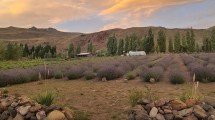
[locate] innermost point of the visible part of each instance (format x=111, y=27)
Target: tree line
x=178, y=44
x=14, y=51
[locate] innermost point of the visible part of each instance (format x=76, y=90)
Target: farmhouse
x=136, y=53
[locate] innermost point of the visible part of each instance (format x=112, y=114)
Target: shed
x=136, y=53
x=84, y=55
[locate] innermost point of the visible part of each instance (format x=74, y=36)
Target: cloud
x=131, y=13
x=43, y=13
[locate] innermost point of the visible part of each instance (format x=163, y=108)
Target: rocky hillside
x=34, y=36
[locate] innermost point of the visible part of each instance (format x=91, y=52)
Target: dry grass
x=102, y=100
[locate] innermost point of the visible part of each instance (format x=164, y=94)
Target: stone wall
x=164, y=109
x=19, y=107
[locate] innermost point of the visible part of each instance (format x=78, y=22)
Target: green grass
x=45, y=98
x=30, y=63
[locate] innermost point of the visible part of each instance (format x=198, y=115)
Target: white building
x=136, y=53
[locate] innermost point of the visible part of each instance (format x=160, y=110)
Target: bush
x=45, y=98
x=110, y=72
x=135, y=96
x=89, y=75
x=155, y=72
x=176, y=78
x=75, y=73
x=58, y=75
x=130, y=76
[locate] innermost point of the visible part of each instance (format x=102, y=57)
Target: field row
x=152, y=68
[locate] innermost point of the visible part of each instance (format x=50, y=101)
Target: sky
x=97, y=15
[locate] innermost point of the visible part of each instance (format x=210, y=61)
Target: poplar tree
x=161, y=41
x=170, y=45
x=149, y=43
x=71, y=52
x=120, y=47
x=177, y=42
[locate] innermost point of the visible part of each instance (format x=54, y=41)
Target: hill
x=35, y=36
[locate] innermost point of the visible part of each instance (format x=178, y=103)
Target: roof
x=83, y=54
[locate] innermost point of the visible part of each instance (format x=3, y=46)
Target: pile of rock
x=164, y=109
x=19, y=107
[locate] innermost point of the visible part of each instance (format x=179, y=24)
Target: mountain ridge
x=35, y=36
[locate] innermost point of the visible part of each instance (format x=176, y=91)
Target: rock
x=176, y=114
x=169, y=116
x=210, y=101
x=24, y=100
x=35, y=108
x=211, y=111
x=143, y=101
x=167, y=111
x=68, y=113
x=185, y=112
x=206, y=107
x=190, y=117
x=138, y=113
x=3, y=105
x=152, y=80
x=160, y=111
x=14, y=104
x=19, y=117
x=153, y=112
x=104, y=79
x=178, y=105
x=161, y=102
x=199, y=112
x=212, y=117
x=149, y=106
x=29, y=115
x=5, y=115
x=23, y=110
x=55, y=115
x=12, y=112
x=51, y=108
x=41, y=115
x=160, y=117
x=190, y=102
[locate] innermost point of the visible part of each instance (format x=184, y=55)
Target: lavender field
x=152, y=68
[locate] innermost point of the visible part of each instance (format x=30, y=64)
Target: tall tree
x=2, y=51
x=71, y=51
x=192, y=41
x=161, y=41
x=90, y=47
x=177, y=42
x=78, y=49
x=170, y=45
x=149, y=43
x=120, y=47
x=26, y=51
x=126, y=44
x=112, y=45
x=213, y=39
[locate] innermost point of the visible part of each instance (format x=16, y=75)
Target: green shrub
x=45, y=98
x=89, y=75
x=130, y=76
x=58, y=75
x=75, y=73
x=134, y=96
x=176, y=78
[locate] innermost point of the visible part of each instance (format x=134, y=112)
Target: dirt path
x=184, y=70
